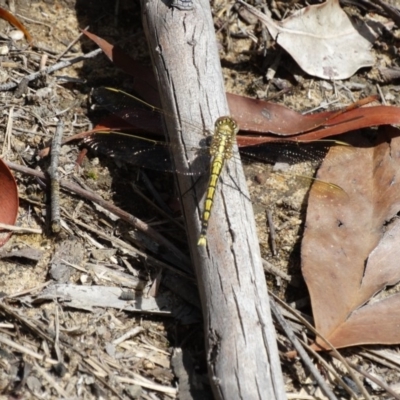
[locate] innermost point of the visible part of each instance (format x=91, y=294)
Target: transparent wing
x=155, y=155
x=147, y=153
x=286, y=152
x=142, y=151
x=135, y=111
x=127, y=108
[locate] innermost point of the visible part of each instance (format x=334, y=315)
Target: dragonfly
x=208, y=156
x=221, y=149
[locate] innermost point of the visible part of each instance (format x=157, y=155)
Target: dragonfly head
x=226, y=124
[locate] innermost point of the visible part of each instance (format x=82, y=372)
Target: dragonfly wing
x=292, y=154
x=128, y=109
x=145, y=153
x=136, y=111
x=286, y=152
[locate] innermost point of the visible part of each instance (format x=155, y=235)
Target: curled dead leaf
x=8, y=200
x=322, y=39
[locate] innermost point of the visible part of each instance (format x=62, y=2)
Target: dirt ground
x=101, y=342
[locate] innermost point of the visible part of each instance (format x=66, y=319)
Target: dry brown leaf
x=350, y=250
x=322, y=39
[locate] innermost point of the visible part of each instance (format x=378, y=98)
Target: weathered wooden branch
x=243, y=359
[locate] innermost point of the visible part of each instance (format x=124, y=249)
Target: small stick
x=131, y=333
x=7, y=138
x=271, y=269
x=382, y=96
x=123, y=215
x=20, y=229
x=55, y=179
x=334, y=352
x=43, y=62
x=29, y=290
x=10, y=344
x=150, y=187
x=52, y=68
x=53, y=383
x=71, y=44
x=300, y=350
x=161, y=210
x=374, y=379
x=272, y=232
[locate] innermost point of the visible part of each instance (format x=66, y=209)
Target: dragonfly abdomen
x=221, y=149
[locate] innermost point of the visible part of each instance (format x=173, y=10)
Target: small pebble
x=147, y=364
x=390, y=97
x=16, y=35
x=34, y=384
x=18, y=145
x=3, y=75
x=260, y=178
x=134, y=391
x=4, y=50
x=281, y=167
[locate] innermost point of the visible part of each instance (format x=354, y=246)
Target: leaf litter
x=91, y=335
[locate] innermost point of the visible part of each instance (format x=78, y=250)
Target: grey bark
x=242, y=359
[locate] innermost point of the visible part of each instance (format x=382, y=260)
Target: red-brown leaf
x=8, y=201
x=143, y=83
x=6, y=15
x=266, y=119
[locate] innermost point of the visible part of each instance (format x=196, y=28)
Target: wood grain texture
x=240, y=337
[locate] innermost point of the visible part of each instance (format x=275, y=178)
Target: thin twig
x=381, y=95
x=272, y=232
x=146, y=383
x=302, y=353
x=19, y=229
x=71, y=44
x=53, y=68
x=329, y=368
x=123, y=215
x=150, y=187
x=55, y=178
x=9, y=343
x=156, y=206
x=328, y=343
x=30, y=290
x=131, y=333
x=51, y=381
x=381, y=357
x=271, y=269
x=374, y=379
x=49, y=335
x=56, y=347
x=43, y=62
x=34, y=21
x=120, y=244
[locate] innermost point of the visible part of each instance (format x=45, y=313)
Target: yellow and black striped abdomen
x=221, y=149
